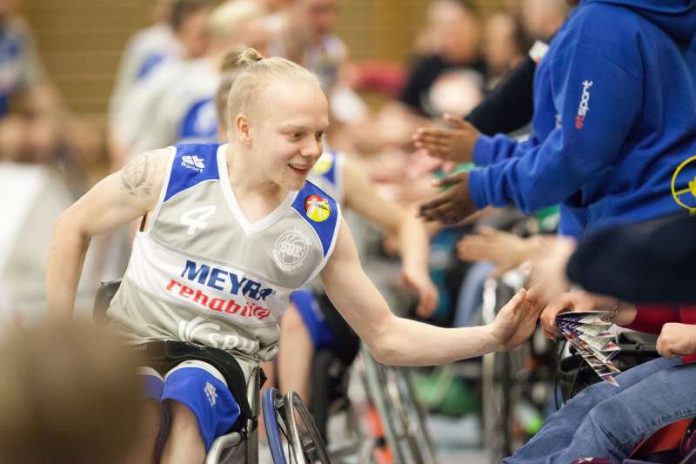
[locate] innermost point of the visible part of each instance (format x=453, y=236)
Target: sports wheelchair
x=396, y=423
x=284, y=416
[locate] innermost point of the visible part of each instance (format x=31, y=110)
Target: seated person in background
x=136, y=105
x=34, y=123
x=650, y=261
x=150, y=47
x=608, y=421
x=452, y=54
x=504, y=46
x=69, y=394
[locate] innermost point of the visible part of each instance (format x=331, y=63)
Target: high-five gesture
x=453, y=143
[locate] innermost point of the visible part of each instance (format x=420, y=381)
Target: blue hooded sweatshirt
x=614, y=116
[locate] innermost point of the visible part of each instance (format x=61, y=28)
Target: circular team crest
x=684, y=185
x=318, y=209
x=290, y=250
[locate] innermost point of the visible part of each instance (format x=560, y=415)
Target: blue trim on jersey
x=192, y=164
x=12, y=54
x=330, y=175
x=325, y=229
x=200, y=121
x=149, y=64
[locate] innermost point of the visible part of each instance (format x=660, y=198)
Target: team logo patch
x=290, y=250
x=318, y=209
x=193, y=162
x=683, y=185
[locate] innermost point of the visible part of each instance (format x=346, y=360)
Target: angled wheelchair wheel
x=414, y=416
x=404, y=424
x=292, y=436
x=307, y=444
x=271, y=400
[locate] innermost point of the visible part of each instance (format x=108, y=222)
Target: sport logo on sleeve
x=317, y=208
x=584, y=106
x=193, y=162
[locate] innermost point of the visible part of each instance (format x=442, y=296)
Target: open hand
x=515, y=322
x=507, y=251
x=455, y=143
x=454, y=204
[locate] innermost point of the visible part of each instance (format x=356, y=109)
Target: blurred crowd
x=563, y=222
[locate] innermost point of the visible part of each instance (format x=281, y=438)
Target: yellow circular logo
x=323, y=165
x=317, y=208
x=683, y=185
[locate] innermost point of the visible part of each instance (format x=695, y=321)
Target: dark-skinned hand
x=452, y=143
x=453, y=205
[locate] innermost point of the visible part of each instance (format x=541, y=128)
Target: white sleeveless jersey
x=202, y=274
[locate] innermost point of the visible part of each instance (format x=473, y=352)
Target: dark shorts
x=327, y=329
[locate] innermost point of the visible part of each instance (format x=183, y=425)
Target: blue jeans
x=608, y=421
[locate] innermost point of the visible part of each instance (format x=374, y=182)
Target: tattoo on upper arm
x=135, y=177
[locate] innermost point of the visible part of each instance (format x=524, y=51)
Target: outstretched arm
x=363, y=198
x=397, y=341
x=117, y=199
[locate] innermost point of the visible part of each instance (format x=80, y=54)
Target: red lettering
x=261, y=313
x=186, y=291
x=216, y=304
x=200, y=298
x=232, y=307
x=249, y=309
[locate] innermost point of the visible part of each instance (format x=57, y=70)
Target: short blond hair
x=69, y=394
x=252, y=73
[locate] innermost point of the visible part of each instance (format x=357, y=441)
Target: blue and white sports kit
x=201, y=273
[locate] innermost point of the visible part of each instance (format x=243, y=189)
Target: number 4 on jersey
x=196, y=218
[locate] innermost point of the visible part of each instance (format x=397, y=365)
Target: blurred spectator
x=452, y=61
x=183, y=37
x=145, y=50
x=34, y=124
x=505, y=250
x=307, y=37
x=69, y=394
x=274, y=6
x=176, y=103
x=648, y=261
x=629, y=155
x=504, y=45
x=542, y=18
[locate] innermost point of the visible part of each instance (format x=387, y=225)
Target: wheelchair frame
x=226, y=448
